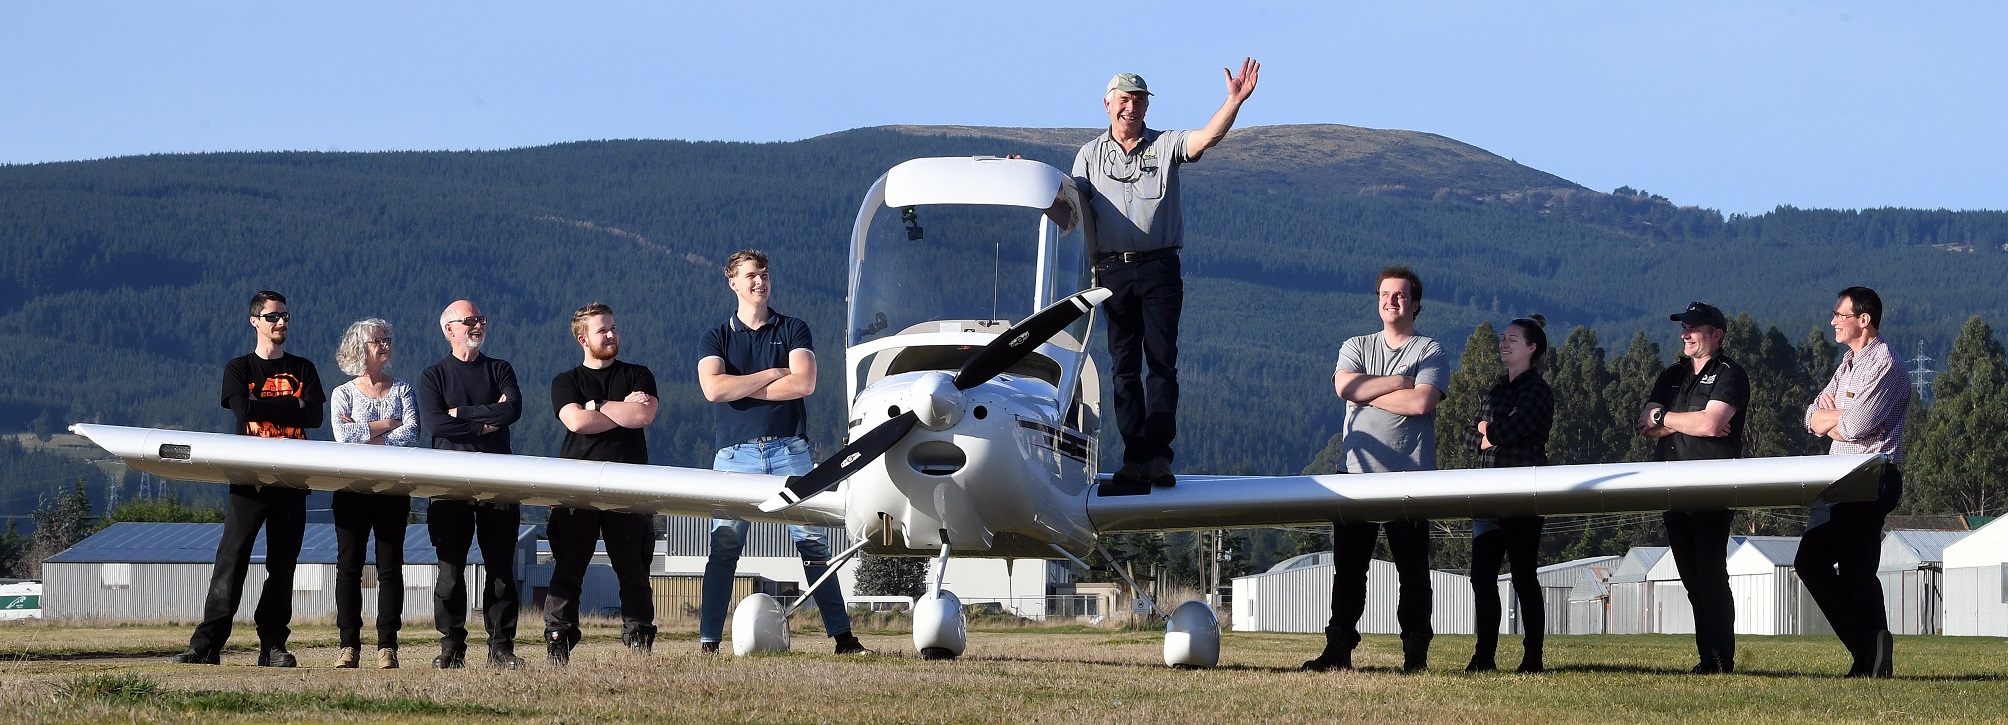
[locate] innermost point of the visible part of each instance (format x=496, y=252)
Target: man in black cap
x=1129, y=177
x=1696, y=413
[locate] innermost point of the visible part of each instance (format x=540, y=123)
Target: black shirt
x=612, y=383
x=267, y=395
x=473, y=387
x=746, y=351
x=1681, y=390
x=1518, y=414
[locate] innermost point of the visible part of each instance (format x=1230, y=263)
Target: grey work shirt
x=1134, y=194
x=1377, y=441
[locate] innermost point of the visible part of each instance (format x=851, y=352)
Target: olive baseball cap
x=1701, y=313
x=1129, y=83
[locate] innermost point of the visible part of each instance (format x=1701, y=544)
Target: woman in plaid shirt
x=1511, y=429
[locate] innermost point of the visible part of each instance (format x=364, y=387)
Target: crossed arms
x=797, y=380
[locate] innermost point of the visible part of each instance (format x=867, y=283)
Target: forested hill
x=123, y=281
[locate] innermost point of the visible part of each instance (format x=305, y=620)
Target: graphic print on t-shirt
x=282, y=385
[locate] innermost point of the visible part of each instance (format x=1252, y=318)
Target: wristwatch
x=1659, y=417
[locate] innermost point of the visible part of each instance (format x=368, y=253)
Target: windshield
x=978, y=264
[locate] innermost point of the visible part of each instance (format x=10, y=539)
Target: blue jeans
x=783, y=457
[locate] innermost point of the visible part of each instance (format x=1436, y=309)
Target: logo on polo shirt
x=1708, y=380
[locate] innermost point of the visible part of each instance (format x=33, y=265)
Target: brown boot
x=348, y=659
x=386, y=658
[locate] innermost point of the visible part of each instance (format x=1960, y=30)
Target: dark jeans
x=454, y=525
x=283, y=513
x=630, y=544
x=1699, y=542
x=1352, y=549
x=1837, y=561
x=1143, y=312
x=1519, y=541
x=360, y=517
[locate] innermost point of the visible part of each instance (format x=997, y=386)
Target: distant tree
x=12, y=546
x=1582, y=415
x=1632, y=376
x=1956, y=464
x=168, y=509
x=59, y=524
x=1778, y=391
x=892, y=576
x=1477, y=369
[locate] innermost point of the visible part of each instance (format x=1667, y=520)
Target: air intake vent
x=174, y=452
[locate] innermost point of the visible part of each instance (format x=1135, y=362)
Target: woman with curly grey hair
x=372, y=409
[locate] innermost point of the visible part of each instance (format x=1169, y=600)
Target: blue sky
x=1738, y=106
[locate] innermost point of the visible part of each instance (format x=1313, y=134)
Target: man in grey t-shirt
x=1129, y=177
x=1391, y=381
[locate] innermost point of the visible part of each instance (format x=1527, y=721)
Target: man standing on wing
x=1391, y=381
x=273, y=394
x=757, y=368
x=1863, y=409
x=605, y=405
x=467, y=401
x=1696, y=412
x=1130, y=178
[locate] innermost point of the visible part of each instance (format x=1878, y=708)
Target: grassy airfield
x=1009, y=673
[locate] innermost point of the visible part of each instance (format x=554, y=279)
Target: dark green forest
x=123, y=280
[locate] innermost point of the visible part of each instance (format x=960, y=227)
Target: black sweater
x=474, y=388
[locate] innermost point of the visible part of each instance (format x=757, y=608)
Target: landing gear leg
x=940, y=630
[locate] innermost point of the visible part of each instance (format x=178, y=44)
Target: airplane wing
x=1225, y=502
x=326, y=466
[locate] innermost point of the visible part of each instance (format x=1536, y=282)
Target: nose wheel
x=940, y=629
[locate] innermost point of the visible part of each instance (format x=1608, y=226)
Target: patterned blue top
x=400, y=403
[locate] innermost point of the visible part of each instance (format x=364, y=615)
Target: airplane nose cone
x=935, y=401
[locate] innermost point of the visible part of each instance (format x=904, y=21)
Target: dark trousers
x=1143, y=309
x=283, y=514
x=1837, y=561
x=454, y=525
x=630, y=544
x=1517, y=540
x=1699, y=542
x=1352, y=549
x=360, y=517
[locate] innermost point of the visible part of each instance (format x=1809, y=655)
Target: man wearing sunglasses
x=467, y=401
x=272, y=394
x=1862, y=410
x=1130, y=178
x=1696, y=413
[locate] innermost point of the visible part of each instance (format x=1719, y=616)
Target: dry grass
x=1014, y=673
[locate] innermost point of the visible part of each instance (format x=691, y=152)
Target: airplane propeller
x=994, y=359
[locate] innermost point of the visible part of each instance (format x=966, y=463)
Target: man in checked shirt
x=1863, y=409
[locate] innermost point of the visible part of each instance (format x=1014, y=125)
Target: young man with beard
x=1129, y=177
x=1392, y=381
x=272, y=394
x=467, y=401
x=1863, y=410
x=1696, y=413
x=756, y=369
x=605, y=404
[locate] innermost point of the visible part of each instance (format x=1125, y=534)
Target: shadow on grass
x=1777, y=674
x=132, y=690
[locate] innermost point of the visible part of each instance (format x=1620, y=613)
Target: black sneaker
x=1414, y=655
x=1158, y=473
x=710, y=648
x=505, y=659
x=847, y=644
x=1330, y=661
x=641, y=642
x=1482, y=665
x=276, y=657
x=558, y=646
x=451, y=659
x=193, y=657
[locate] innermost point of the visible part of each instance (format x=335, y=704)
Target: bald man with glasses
x=467, y=401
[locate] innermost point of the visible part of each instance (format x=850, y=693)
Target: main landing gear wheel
x=1192, y=637
x=940, y=630
x=759, y=624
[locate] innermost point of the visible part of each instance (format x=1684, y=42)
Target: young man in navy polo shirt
x=757, y=367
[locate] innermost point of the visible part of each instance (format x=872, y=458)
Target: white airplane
x=971, y=435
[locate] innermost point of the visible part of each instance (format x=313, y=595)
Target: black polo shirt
x=1681, y=390
x=610, y=384
x=745, y=351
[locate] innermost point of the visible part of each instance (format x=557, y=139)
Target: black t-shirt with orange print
x=267, y=395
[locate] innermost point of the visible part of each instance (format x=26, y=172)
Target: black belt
x=1133, y=257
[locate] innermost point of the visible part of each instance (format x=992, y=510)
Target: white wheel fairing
x=939, y=624
x=1192, y=636
x=759, y=625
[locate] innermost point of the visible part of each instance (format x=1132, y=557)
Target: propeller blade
x=835, y=469
x=1027, y=335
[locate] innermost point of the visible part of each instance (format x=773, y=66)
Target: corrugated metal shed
x=156, y=543
x=1296, y=596
x=691, y=536
x=1976, y=583
x=1564, y=586
x=1911, y=548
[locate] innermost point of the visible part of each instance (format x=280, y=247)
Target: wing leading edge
x=1215, y=502
x=326, y=466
